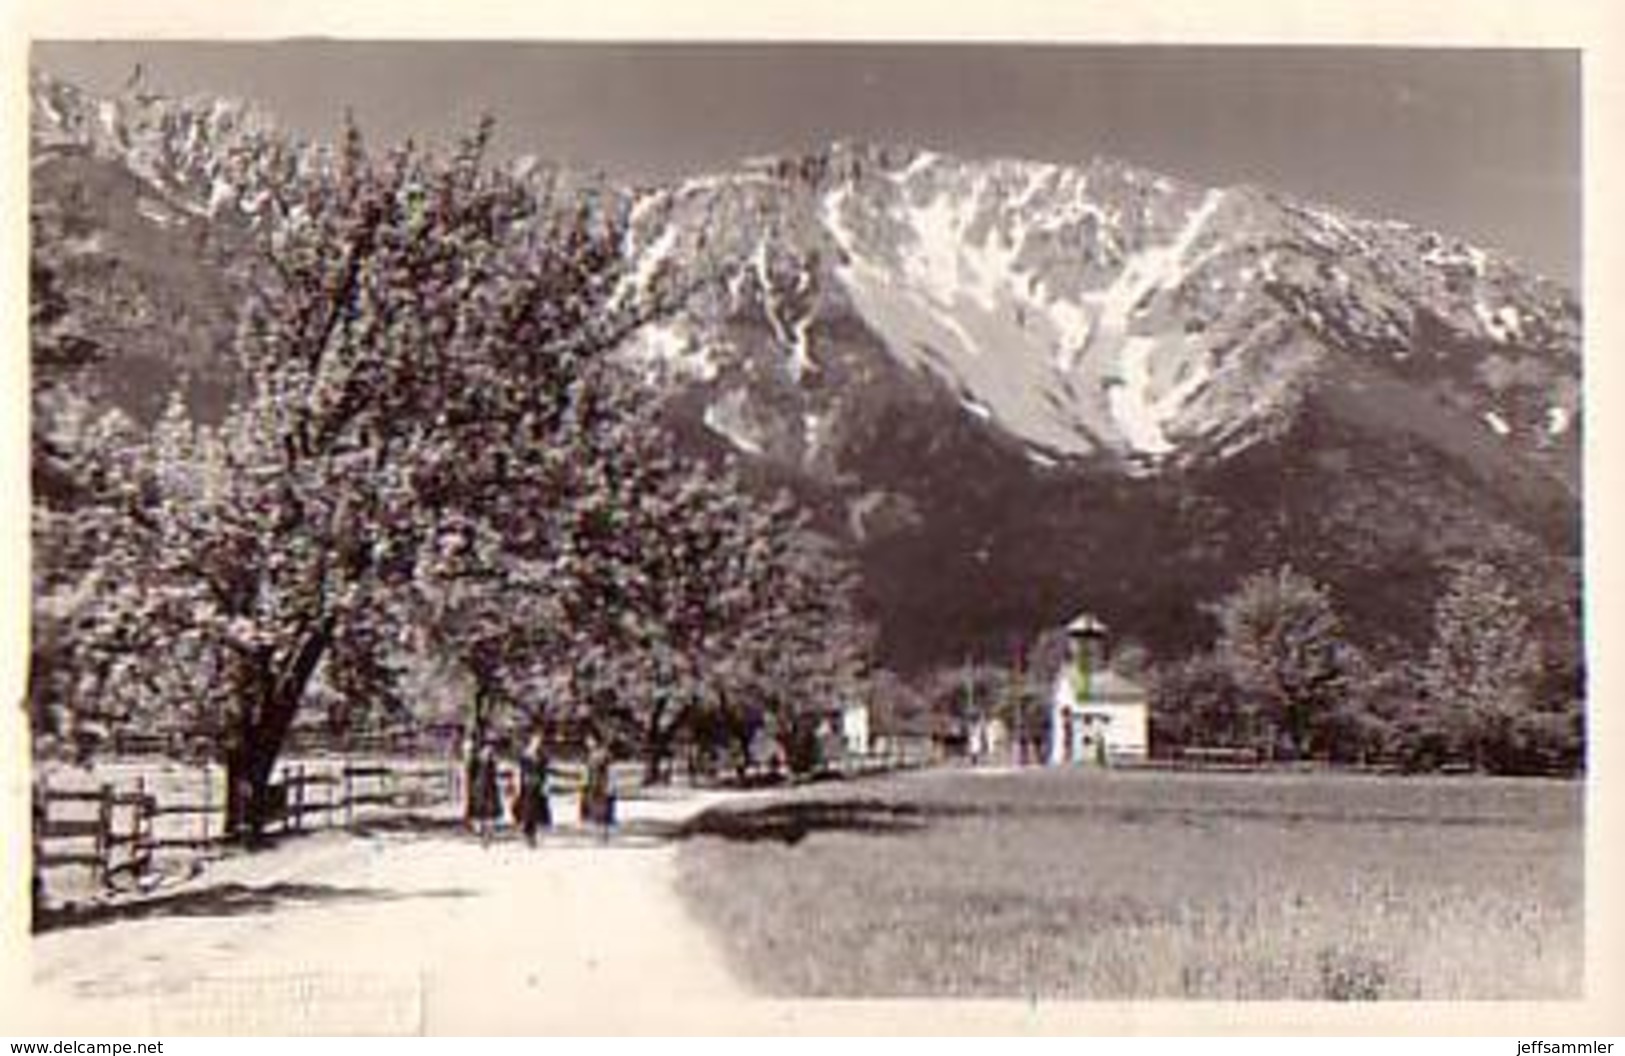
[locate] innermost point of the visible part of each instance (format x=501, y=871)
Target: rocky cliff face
x=1017, y=387
x=1100, y=314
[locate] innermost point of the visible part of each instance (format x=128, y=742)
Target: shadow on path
x=410, y=824
x=227, y=900
x=793, y=822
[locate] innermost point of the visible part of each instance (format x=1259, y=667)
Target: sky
x=1483, y=144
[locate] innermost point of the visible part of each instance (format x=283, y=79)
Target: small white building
x=988, y=740
x=1096, y=715
x=855, y=728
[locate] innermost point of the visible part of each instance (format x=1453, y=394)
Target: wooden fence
x=114, y=835
x=334, y=798
x=98, y=838
x=114, y=849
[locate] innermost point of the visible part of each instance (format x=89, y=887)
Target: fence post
x=208, y=806
x=273, y=796
x=152, y=831
x=138, y=838
x=41, y=818
x=104, y=836
x=349, y=804
x=299, y=798
x=135, y=827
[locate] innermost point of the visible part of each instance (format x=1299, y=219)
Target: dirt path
x=402, y=933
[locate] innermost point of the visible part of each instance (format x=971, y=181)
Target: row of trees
x=1283, y=678
x=432, y=449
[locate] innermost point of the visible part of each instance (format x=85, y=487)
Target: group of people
x=531, y=806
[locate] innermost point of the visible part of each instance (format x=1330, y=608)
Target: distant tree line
x=1489, y=692
x=1283, y=678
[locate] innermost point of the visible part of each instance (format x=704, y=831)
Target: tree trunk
x=479, y=729
x=250, y=803
x=241, y=821
x=656, y=745
x=745, y=739
x=251, y=759
x=733, y=731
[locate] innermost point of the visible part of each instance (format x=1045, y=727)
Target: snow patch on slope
x=813, y=426
x=1503, y=324
x=977, y=408
x=221, y=192
x=1135, y=412
x=641, y=209
x=649, y=261
x=156, y=212
x=1152, y=269
x=716, y=181
x=1140, y=413
x=1060, y=369
x=794, y=335
x=921, y=161
x=947, y=264
x=670, y=347
x=1041, y=460
x=726, y=417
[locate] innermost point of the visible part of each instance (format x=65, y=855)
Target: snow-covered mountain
x=1013, y=388
x=1096, y=313
x=1018, y=385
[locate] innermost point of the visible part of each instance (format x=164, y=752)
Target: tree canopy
x=1481, y=671
x=433, y=443
x=1281, y=639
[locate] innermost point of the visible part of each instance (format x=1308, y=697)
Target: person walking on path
x=469, y=754
x=532, y=809
x=598, y=791
x=484, y=795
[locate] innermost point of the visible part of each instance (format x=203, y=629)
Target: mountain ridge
x=1385, y=313
x=1010, y=388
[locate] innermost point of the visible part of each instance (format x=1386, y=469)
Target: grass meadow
x=1144, y=885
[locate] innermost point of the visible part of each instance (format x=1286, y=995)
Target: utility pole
x=972, y=732
x=1018, y=685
